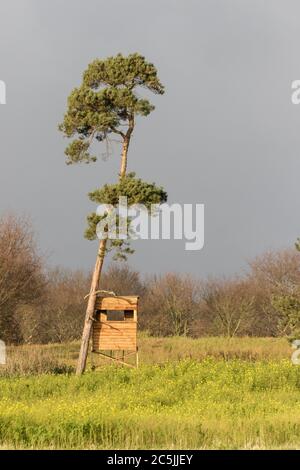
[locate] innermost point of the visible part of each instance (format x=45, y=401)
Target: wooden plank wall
x=115, y=335
x=117, y=303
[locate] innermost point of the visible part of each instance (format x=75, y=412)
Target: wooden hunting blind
x=115, y=327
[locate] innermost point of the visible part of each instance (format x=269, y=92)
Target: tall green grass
x=212, y=404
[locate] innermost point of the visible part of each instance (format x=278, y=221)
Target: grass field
x=210, y=393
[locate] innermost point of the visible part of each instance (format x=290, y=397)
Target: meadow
x=209, y=393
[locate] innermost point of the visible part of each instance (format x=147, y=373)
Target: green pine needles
x=136, y=191
x=106, y=102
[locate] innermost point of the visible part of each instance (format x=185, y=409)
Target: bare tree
x=171, y=304
x=121, y=279
x=272, y=275
x=21, y=273
x=63, y=311
x=230, y=306
x=278, y=270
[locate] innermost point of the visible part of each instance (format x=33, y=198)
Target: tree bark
x=124, y=158
x=89, y=316
x=126, y=143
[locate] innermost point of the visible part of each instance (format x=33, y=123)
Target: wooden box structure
x=115, y=327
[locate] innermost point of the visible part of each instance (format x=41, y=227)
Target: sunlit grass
x=208, y=393
x=214, y=404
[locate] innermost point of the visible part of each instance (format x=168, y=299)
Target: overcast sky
x=225, y=134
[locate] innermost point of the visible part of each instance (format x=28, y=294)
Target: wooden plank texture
x=115, y=335
x=117, y=303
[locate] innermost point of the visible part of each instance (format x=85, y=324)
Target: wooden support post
x=137, y=358
x=115, y=359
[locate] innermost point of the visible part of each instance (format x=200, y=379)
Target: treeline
x=40, y=305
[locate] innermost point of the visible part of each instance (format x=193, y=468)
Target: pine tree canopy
x=107, y=102
x=137, y=191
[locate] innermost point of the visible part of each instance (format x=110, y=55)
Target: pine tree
x=107, y=104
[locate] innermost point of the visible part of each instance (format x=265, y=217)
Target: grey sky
x=225, y=134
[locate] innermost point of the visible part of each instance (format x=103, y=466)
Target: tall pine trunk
x=89, y=316
x=124, y=156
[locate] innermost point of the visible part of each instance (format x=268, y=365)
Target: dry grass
x=161, y=350
x=39, y=359
x=61, y=358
